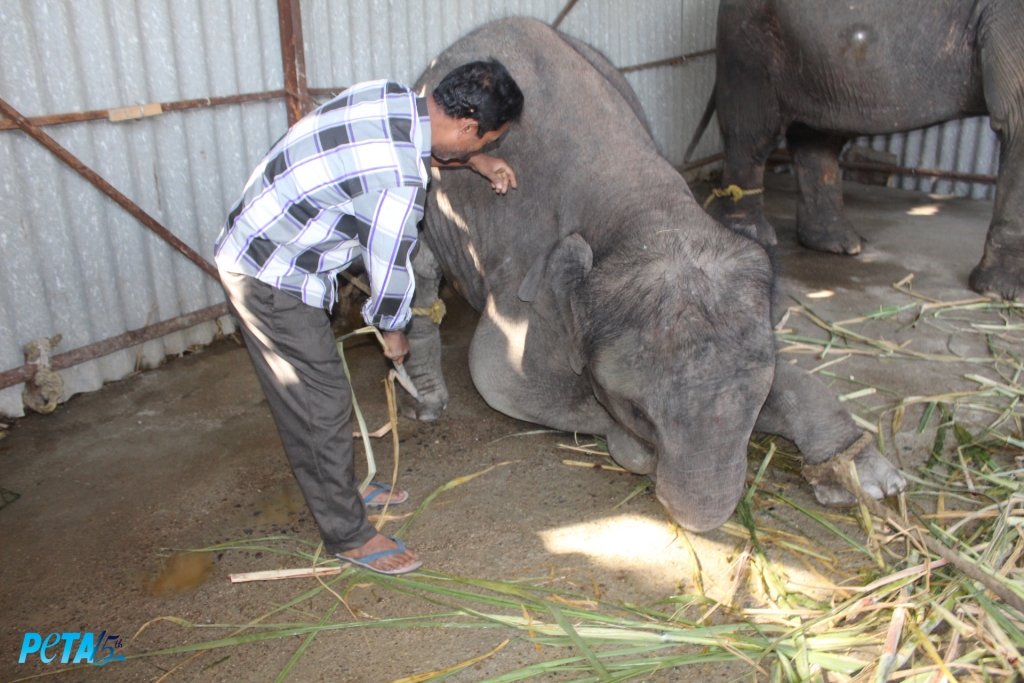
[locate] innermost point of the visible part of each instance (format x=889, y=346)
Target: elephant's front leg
x=821, y=221
x=424, y=361
x=802, y=409
x=521, y=370
x=743, y=211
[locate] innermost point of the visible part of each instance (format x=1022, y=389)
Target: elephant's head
x=676, y=339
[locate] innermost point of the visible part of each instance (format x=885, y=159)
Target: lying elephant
x=824, y=71
x=609, y=302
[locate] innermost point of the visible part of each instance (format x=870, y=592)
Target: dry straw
x=934, y=596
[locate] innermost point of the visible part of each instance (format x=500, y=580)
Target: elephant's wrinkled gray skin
x=610, y=303
x=823, y=71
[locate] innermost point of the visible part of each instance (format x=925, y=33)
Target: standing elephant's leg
x=1001, y=270
x=424, y=361
x=821, y=221
x=805, y=411
x=749, y=120
x=744, y=168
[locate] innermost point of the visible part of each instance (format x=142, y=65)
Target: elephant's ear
x=549, y=286
x=531, y=283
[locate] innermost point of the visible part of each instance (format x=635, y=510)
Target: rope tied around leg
x=844, y=470
x=733, y=192
x=831, y=468
x=435, y=311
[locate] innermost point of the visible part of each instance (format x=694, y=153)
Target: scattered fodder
x=892, y=602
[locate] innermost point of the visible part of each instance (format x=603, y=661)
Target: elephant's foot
x=635, y=456
x=878, y=477
x=754, y=226
x=745, y=217
x=433, y=394
x=999, y=275
x=423, y=411
x=834, y=236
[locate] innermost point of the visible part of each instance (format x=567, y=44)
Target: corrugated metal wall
x=73, y=263
x=342, y=48
x=673, y=97
x=966, y=146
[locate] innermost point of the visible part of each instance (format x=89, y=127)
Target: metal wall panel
x=673, y=97
x=71, y=262
x=964, y=146
x=353, y=40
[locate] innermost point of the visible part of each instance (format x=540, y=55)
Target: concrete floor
x=114, y=482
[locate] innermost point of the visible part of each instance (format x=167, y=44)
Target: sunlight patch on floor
x=926, y=210
x=648, y=547
x=628, y=541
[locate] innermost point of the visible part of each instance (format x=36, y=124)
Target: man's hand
x=398, y=346
x=494, y=169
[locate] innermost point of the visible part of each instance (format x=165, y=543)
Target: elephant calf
x=609, y=302
x=823, y=71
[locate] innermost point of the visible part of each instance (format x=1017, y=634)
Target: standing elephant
x=824, y=71
x=609, y=302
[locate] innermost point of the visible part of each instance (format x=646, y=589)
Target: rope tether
x=734, y=192
x=435, y=312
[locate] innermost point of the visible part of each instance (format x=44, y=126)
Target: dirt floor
x=116, y=482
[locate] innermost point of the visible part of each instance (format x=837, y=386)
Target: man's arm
x=494, y=169
x=387, y=234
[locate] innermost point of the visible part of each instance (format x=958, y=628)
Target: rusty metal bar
x=93, y=115
x=561, y=15
x=671, y=61
x=105, y=347
x=293, y=59
x=325, y=92
x=106, y=188
x=215, y=101
x=927, y=172
x=782, y=157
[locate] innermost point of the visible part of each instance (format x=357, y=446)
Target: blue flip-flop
x=364, y=562
x=397, y=499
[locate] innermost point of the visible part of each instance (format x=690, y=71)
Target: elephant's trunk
x=701, y=487
x=702, y=459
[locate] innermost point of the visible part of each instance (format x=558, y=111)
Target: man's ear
x=549, y=285
x=468, y=127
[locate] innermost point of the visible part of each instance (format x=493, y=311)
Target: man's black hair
x=482, y=91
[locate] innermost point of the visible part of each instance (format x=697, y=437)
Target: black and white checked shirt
x=348, y=179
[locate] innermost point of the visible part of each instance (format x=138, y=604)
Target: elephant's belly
x=852, y=116
x=867, y=73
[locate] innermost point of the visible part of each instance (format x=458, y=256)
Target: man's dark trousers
x=296, y=359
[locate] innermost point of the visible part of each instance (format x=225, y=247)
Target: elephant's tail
x=709, y=110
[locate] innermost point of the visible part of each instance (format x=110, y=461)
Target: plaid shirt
x=347, y=180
